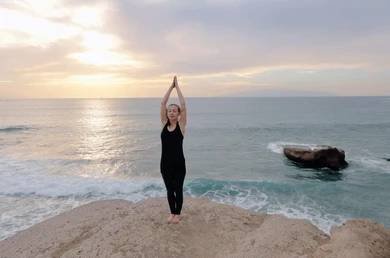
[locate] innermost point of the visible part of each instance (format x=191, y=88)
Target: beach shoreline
x=119, y=228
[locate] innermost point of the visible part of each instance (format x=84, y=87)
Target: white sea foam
x=28, y=196
x=260, y=203
x=247, y=198
x=20, y=213
x=277, y=147
x=375, y=164
x=310, y=211
x=19, y=180
x=47, y=195
x=252, y=198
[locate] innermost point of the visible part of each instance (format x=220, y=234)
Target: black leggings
x=173, y=179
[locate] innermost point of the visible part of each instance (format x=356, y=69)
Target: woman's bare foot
x=176, y=219
x=171, y=216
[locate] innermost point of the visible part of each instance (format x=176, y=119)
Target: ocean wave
x=267, y=197
x=35, y=185
x=25, y=212
x=374, y=163
x=245, y=194
x=28, y=195
x=21, y=213
x=260, y=196
x=14, y=128
x=31, y=178
x=309, y=210
x=28, y=180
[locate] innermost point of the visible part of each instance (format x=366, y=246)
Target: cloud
x=221, y=44
x=186, y=37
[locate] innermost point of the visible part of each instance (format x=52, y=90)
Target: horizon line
x=174, y=97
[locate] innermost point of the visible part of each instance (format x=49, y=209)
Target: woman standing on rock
x=172, y=164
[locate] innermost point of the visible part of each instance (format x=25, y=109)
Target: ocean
x=57, y=154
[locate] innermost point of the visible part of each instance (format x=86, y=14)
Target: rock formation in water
x=318, y=157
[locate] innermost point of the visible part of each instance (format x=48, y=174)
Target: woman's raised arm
x=164, y=101
x=183, y=109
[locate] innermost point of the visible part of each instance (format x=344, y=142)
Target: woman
x=172, y=165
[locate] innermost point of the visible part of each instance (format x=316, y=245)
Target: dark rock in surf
x=317, y=157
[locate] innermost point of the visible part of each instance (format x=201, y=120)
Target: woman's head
x=173, y=112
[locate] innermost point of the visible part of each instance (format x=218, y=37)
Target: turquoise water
x=59, y=154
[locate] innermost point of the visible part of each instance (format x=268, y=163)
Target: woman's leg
x=170, y=191
x=179, y=190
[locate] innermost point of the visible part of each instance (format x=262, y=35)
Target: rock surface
x=318, y=157
x=118, y=228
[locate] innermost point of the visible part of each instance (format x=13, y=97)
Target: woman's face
x=172, y=112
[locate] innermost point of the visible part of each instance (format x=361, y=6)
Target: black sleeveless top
x=172, y=146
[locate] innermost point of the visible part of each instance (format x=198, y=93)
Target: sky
x=133, y=48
